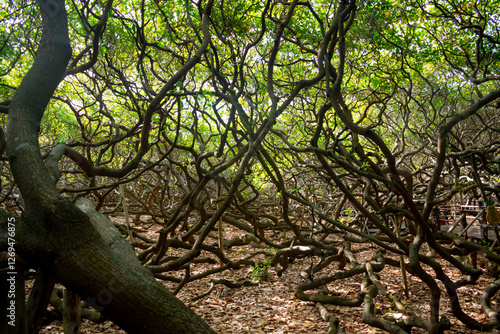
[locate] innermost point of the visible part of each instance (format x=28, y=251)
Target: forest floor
x=269, y=306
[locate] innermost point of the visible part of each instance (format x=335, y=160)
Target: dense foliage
x=320, y=119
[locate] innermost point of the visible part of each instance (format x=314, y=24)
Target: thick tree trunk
x=85, y=254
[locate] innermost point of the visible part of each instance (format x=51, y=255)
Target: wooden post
x=124, y=204
x=71, y=312
x=221, y=235
x=398, y=222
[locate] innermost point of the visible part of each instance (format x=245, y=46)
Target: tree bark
x=85, y=254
